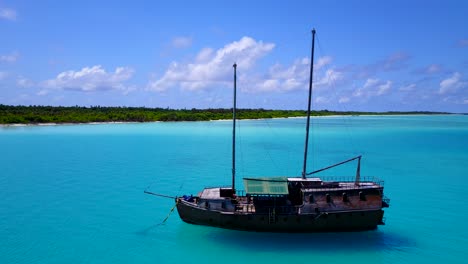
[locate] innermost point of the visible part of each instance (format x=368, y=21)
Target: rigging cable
x=163, y=196
x=240, y=148
x=169, y=214
x=332, y=84
x=268, y=152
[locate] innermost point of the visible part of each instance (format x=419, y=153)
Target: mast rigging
x=234, y=133
x=308, y=106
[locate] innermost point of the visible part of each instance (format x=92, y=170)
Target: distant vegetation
x=77, y=114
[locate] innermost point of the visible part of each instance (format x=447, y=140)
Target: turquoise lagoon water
x=74, y=193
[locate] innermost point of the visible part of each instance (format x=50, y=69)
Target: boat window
x=311, y=199
x=345, y=197
x=362, y=196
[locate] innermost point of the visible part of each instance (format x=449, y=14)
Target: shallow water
x=74, y=193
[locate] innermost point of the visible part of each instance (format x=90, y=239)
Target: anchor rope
x=167, y=217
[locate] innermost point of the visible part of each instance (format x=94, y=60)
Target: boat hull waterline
x=317, y=222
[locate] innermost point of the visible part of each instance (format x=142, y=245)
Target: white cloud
x=429, y=69
x=451, y=84
x=43, y=92
x=13, y=57
x=268, y=85
x=433, y=68
x=8, y=14
x=395, y=61
x=321, y=100
x=296, y=76
x=3, y=75
x=91, y=79
x=281, y=78
x=181, y=42
x=323, y=61
x=298, y=70
x=205, y=55
x=384, y=88
x=407, y=88
x=24, y=82
x=343, y=100
x=372, y=88
x=291, y=84
x=212, y=69
x=371, y=83
x=465, y=101
x=129, y=89
x=330, y=78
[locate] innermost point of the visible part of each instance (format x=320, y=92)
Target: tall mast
x=234, y=133
x=304, y=172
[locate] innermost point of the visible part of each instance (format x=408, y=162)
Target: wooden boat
x=289, y=204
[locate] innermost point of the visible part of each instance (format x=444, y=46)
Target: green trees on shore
x=78, y=114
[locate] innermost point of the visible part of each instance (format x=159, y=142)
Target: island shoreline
x=215, y=120
x=59, y=115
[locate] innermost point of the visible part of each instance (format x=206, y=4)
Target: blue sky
x=370, y=55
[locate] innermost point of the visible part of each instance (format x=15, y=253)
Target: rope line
x=167, y=217
x=346, y=118
x=241, y=149
x=266, y=147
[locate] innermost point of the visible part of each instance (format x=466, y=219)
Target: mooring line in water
x=165, y=196
x=167, y=217
x=148, y=229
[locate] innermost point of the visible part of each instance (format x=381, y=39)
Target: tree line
x=79, y=114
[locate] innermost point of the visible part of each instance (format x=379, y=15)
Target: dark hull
x=298, y=223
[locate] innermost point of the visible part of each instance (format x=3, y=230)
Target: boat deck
x=210, y=193
x=346, y=186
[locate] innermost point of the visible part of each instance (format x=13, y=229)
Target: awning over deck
x=266, y=186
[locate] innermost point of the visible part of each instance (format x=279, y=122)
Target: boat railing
x=347, y=183
x=217, y=187
x=363, y=179
x=375, y=181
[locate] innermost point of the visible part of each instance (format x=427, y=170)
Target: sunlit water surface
x=74, y=193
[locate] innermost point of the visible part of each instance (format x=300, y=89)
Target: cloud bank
x=90, y=79
x=372, y=88
x=452, y=84
x=181, y=42
x=12, y=57
x=210, y=67
x=8, y=14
